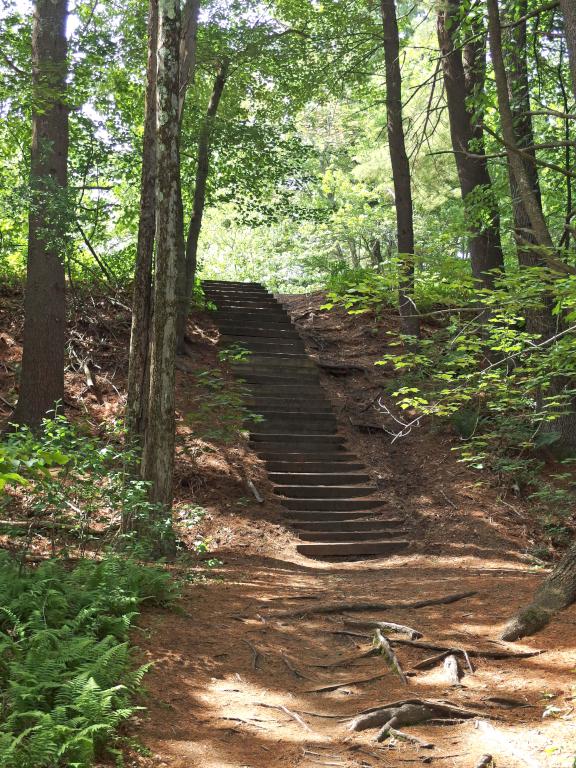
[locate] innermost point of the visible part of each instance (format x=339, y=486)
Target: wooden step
x=301, y=517
x=317, y=478
x=344, y=523
x=352, y=535
x=327, y=467
x=325, y=491
x=345, y=548
x=330, y=505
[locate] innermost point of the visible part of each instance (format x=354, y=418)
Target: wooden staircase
x=327, y=495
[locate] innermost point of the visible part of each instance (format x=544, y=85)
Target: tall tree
x=199, y=202
x=517, y=159
x=42, y=377
x=142, y=303
x=568, y=8
x=464, y=75
x=409, y=320
x=158, y=453
x=138, y=368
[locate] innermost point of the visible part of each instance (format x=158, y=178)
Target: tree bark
x=195, y=225
x=187, y=73
x=568, y=8
x=42, y=376
x=462, y=83
x=409, y=320
x=556, y=592
x=188, y=48
x=158, y=454
x=528, y=197
x=138, y=369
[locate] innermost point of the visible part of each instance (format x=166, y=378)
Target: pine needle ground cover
x=66, y=675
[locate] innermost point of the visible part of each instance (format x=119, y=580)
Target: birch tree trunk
x=138, y=367
x=42, y=375
x=462, y=83
x=202, y=171
x=158, y=454
x=409, y=320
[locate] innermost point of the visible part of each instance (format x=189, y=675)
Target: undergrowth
x=66, y=672
x=502, y=388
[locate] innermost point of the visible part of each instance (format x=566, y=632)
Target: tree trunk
x=568, y=8
x=187, y=73
x=376, y=254
x=557, y=591
x=540, y=320
x=158, y=454
x=42, y=377
x=537, y=224
x=467, y=141
x=138, y=369
x=202, y=171
x=409, y=320
x=188, y=48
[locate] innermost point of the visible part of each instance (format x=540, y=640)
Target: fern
x=65, y=666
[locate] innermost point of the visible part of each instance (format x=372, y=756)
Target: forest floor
x=235, y=684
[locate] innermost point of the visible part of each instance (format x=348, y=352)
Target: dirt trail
x=233, y=685
x=230, y=679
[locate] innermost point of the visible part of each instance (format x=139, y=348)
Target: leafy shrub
x=65, y=666
x=75, y=479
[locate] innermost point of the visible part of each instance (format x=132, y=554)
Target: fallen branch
x=343, y=607
x=384, y=626
x=91, y=381
x=254, y=491
x=385, y=649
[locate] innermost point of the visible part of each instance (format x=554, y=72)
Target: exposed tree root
x=344, y=607
x=486, y=761
x=255, y=653
x=401, y=736
x=431, y=661
x=556, y=592
x=385, y=649
x=452, y=669
x=408, y=712
x=385, y=626
x=290, y=713
x=335, y=686
x=476, y=653
x=345, y=660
